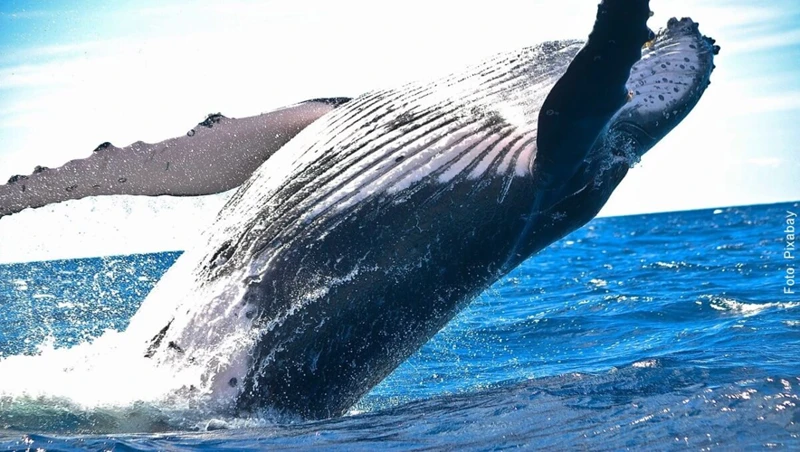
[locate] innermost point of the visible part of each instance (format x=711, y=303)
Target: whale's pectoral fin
x=217, y=155
x=579, y=107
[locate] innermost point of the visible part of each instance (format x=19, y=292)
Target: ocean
x=662, y=331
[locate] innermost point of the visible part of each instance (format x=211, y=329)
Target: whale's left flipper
x=218, y=154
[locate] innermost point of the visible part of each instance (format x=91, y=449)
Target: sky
x=76, y=74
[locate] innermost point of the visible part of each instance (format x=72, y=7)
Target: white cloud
x=26, y=14
x=772, y=162
x=769, y=41
x=788, y=101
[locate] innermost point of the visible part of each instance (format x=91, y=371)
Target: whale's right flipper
x=580, y=106
x=217, y=155
x=583, y=101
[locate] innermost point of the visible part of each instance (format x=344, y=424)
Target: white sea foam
x=108, y=225
x=107, y=384
x=747, y=309
x=646, y=364
x=85, y=374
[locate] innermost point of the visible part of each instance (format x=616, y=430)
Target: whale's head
x=663, y=87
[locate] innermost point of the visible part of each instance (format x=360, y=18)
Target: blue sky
x=75, y=74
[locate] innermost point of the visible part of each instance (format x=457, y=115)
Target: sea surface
x=663, y=331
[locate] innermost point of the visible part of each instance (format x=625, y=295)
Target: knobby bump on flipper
x=211, y=119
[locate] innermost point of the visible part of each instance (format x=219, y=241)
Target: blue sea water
x=653, y=331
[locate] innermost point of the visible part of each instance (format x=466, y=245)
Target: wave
x=659, y=403
x=746, y=309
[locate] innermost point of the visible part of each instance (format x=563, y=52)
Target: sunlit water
x=668, y=330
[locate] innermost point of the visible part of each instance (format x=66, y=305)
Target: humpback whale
x=368, y=229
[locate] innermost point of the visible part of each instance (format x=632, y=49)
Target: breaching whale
x=363, y=235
